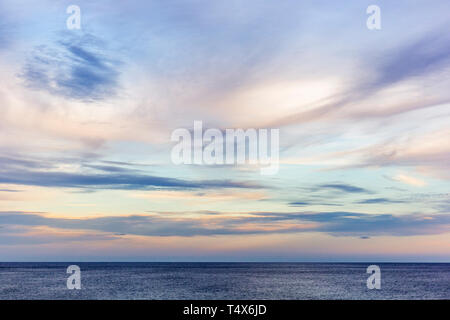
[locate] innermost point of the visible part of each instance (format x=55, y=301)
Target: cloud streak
x=111, y=181
x=379, y=200
x=344, y=188
x=209, y=224
x=417, y=58
x=109, y=177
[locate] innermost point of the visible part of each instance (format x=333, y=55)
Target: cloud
x=378, y=200
x=344, y=188
x=427, y=152
x=409, y=180
x=343, y=223
x=8, y=27
x=106, y=168
x=111, y=181
x=39, y=235
x=250, y=69
x=17, y=172
x=14, y=162
x=333, y=223
x=315, y=202
x=299, y=203
x=410, y=61
x=195, y=197
x=77, y=68
x=417, y=58
x=9, y=190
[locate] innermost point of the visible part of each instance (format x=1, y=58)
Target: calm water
x=224, y=281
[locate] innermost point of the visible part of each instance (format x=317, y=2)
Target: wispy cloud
x=410, y=60
x=378, y=200
x=77, y=68
x=43, y=235
x=9, y=190
x=409, y=180
x=417, y=58
x=19, y=173
x=111, y=181
x=343, y=188
x=299, y=203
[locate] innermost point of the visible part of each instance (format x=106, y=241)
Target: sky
x=87, y=115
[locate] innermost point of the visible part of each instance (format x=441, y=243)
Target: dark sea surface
x=224, y=281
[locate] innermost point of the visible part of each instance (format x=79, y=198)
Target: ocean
x=230, y=281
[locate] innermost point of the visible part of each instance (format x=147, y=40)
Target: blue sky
x=87, y=116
